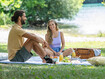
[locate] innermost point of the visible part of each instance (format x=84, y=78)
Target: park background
x=82, y=22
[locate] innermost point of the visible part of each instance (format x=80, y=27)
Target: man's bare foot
x=44, y=61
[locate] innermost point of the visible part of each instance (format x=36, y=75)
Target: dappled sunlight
x=91, y=67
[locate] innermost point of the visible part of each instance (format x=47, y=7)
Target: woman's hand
x=57, y=54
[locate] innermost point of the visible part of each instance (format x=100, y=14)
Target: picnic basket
x=84, y=53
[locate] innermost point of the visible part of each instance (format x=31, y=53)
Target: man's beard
x=22, y=21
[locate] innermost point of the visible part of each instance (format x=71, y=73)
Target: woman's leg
x=67, y=52
x=48, y=52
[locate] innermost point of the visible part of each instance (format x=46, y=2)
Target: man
x=19, y=51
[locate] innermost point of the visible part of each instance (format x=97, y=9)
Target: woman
x=56, y=41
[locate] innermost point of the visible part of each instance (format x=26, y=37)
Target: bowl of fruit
x=66, y=59
x=55, y=58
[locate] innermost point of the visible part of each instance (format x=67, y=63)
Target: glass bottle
x=61, y=57
x=73, y=54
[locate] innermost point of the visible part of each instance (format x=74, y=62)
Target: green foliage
x=7, y=7
x=39, y=12
x=57, y=9
x=103, y=2
x=101, y=34
x=4, y=19
x=33, y=10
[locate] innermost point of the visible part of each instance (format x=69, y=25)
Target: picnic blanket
x=3, y=56
x=38, y=61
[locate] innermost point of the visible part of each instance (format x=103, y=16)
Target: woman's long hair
x=49, y=32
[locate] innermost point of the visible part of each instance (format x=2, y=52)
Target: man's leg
x=31, y=44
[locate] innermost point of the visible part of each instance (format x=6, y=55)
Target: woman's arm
x=62, y=41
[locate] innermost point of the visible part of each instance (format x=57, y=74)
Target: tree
x=103, y=2
x=33, y=11
x=40, y=11
x=7, y=7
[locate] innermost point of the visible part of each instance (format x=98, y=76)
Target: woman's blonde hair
x=49, y=32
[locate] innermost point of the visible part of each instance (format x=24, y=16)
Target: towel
x=97, y=52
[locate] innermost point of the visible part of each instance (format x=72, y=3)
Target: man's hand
x=45, y=44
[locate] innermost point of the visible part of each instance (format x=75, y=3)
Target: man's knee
x=33, y=41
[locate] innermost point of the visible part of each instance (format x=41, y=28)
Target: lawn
x=10, y=71
x=22, y=71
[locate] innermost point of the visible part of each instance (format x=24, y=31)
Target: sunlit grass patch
x=3, y=47
x=88, y=44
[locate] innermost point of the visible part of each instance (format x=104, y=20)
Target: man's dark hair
x=18, y=13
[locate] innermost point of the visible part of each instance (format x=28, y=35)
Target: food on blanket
x=51, y=56
x=66, y=59
x=55, y=58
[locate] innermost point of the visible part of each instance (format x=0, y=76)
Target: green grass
x=89, y=44
x=10, y=71
x=3, y=47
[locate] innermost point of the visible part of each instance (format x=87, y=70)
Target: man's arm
x=33, y=37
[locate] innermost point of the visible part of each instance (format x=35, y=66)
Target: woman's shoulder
x=61, y=32
x=46, y=35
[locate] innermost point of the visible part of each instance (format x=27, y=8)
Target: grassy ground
x=10, y=71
